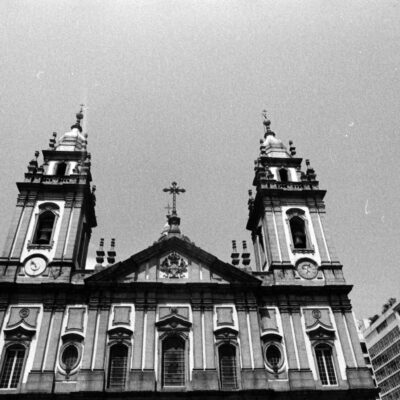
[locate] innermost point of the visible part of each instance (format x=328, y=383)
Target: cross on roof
x=168, y=208
x=174, y=189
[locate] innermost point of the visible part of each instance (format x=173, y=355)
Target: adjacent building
x=173, y=320
x=383, y=342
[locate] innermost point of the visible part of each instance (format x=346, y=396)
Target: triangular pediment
x=175, y=261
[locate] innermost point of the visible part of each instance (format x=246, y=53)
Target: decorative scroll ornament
x=173, y=267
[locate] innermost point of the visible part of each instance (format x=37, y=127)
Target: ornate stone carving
x=173, y=267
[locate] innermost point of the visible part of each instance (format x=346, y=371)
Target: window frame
x=42, y=209
x=128, y=348
x=79, y=347
x=299, y=213
x=8, y=347
x=281, y=364
x=234, y=345
x=185, y=340
x=333, y=356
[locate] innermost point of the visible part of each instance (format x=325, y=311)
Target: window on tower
x=45, y=224
x=299, y=233
x=298, y=229
x=61, y=168
x=11, y=369
x=283, y=174
x=44, y=228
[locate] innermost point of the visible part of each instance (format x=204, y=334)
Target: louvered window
x=117, y=366
x=173, y=361
x=326, y=368
x=12, y=367
x=227, y=367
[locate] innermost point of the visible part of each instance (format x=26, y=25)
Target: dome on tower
x=271, y=145
x=73, y=140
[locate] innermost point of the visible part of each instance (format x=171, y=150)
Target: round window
x=273, y=356
x=70, y=357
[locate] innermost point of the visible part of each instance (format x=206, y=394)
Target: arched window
x=173, y=361
x=12, y=367
x=283, y=174
x=117, y=366
x=298, y=230
x=227, y=367
x=44, y=228
x=61, y=168
x=326, y=368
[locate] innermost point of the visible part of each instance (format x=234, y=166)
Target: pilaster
x=63, y=235
x=23, y=228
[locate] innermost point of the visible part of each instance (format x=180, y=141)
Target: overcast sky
x=174, y=91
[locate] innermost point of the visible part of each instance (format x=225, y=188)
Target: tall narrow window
x=61, y=169
x=12, y=367
x=326, y=368
x=298, y=230
x=44, y=228
x=173, y=361
x=117, y=367
x=227, y=367
x=283, y=174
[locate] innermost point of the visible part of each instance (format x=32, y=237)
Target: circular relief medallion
x=24, y=313
x=316, y=314
x=35, y=266
x=307, y=269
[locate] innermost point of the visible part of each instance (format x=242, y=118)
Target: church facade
x=173, y=320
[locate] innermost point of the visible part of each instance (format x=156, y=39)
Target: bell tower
x=287, y=214
x=55, y=210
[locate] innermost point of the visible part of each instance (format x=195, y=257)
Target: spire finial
x=174, y=189
x=267, y=124
x=79, y=117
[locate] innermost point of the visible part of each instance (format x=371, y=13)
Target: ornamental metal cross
x=174, y=189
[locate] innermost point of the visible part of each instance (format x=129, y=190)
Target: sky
x=173, y=91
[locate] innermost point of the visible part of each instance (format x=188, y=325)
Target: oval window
x=273, y=356
x=70, y=357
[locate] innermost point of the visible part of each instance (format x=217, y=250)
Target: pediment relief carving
x=174, y=266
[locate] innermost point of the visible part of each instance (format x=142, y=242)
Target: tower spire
x=79, y=117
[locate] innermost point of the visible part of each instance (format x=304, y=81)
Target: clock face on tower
x=35, y=265
x=307, y=269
